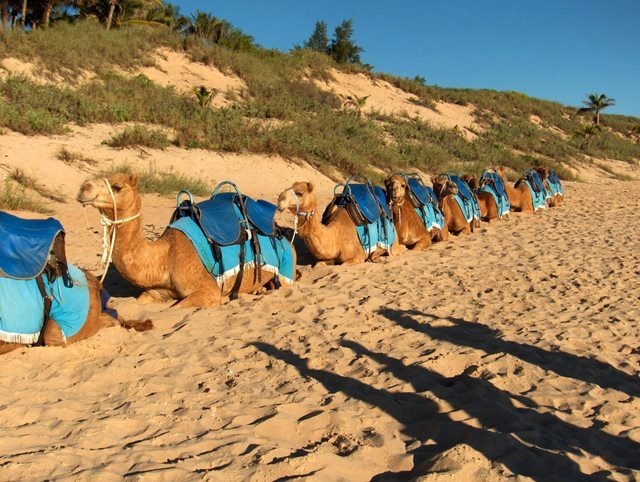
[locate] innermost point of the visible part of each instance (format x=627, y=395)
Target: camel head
x=124, y=188
x=543, y=172
x=443, y=186
x=396, y=187
x=297, y=198
x=472, y=181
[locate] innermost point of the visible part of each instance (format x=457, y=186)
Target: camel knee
x=52, y=334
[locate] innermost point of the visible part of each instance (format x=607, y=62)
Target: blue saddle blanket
x=25, y=245
x=554, y=184
x=493, y=184
x=222, y=220
x=276, y=254
x=376, y=235
x=427, y=208
x=22, y=306
x=466, y=199
x=539, y=193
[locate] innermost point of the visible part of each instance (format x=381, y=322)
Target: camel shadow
x=479, y=336
x=527, y=442
x=304, y=256
x=119, y=287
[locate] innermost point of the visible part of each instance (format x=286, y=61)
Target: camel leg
x=154, y=296
x=422, y=244
x=202, y=298
x=7, y=347
x=466, y=231
x=52, y=334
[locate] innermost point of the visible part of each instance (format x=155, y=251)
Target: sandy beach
x=509, y=354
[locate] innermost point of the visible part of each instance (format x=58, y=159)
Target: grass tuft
x=139, y=136
x=29, y=182
x=15, y=198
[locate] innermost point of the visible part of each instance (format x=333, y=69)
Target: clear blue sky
x=553, y=49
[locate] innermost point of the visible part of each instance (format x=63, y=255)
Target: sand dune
x=510, y=353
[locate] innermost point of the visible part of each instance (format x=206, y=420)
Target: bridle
x=305, y=214
x=109, y=230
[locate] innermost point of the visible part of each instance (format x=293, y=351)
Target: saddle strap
x=48, y=301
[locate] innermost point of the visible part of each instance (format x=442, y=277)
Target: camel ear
x=133, y=180
x=309, y=187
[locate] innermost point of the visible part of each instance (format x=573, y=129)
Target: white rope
x=109, y=235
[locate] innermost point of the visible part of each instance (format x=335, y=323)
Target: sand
x=511, y=353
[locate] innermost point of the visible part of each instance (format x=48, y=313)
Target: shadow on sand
x=529, y=443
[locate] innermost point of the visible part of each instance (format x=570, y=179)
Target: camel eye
x=298, y=193
x=116, y=187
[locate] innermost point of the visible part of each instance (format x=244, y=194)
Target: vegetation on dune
x=304, y=121
x=166, y=183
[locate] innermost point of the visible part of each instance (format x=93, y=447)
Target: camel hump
x=26, y=244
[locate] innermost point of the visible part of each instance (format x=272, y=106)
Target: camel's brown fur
x=96, y=320
x=168, y=268
x=453, y=215
x=410, y=229
x=486, y=202
x=333, y=242
x=519, y=194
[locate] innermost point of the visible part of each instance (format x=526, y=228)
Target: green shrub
x=137, y=136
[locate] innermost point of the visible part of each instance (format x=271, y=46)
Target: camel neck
x=319, y=239
x=136, y=258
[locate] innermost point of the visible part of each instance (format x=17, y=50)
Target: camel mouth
x=82, y=200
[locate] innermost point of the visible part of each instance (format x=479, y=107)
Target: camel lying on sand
x=411, y=229
x=557, y=194
x=96, y=319
x=456, y=221
x=519, y=194
x=336, y=241
x=486, y=202
x=168, y=268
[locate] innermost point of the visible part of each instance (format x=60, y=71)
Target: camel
x=335, y=241
x=456, y=221
x=168, y=268
x=486, y=202
x=557, y=195
x=519, y=194
x=96, y=318
x=410, y=227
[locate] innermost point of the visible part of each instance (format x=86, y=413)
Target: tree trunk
x=24, y=14
x=112, y=9
x=4, y=14
x=47, y=14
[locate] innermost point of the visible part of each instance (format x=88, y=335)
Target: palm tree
x=356, y=103
x=594, y=104
x=587, y=133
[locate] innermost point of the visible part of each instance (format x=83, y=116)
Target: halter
x=398, y=204
x=304, y=214
x=109, y=235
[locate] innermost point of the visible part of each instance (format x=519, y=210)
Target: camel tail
x=137, y=325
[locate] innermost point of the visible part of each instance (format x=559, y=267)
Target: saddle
x=535, y=182
x=32, y=257
x=28, y=247
x=554, y=183
x=495, y=181
x=230, y=219
x=466, y=198
x=419, y=194
x=365, y=203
